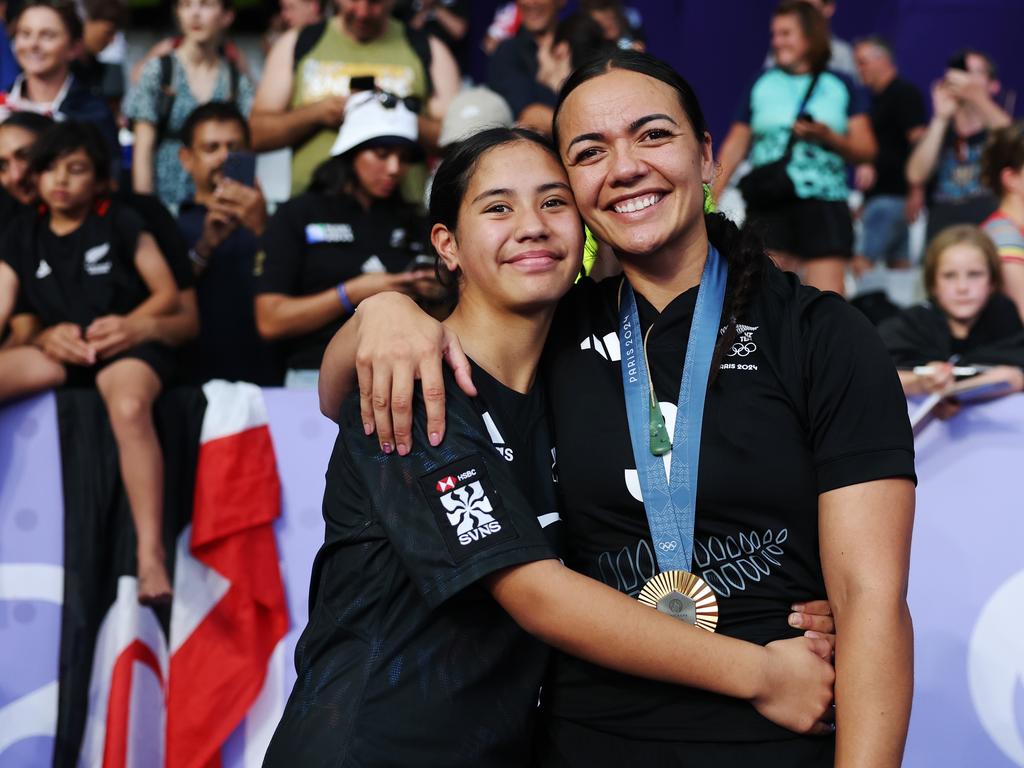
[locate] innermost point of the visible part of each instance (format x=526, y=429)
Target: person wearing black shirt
x=349, y=237
x=805, y=479
x=966, y=316
x=89, y=271
x=221, y=227
x=406, y=659
x=514, y=70
x=898, y=121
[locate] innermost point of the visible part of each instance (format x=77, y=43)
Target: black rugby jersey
x=407, y=660
x=316, y=241
x=806, y=401
x=82, y=275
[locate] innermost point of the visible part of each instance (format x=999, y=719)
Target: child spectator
x=965, y=317
x=93, y=276
x=102, y=63
x=1002, y=171
x=47, y=40
x=351, y=236
x=221, y=225
x=173, y=85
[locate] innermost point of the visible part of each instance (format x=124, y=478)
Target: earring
x=709, y=200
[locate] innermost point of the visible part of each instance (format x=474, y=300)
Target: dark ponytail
x=743, y=250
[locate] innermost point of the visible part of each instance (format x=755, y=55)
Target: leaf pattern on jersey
x=733, y=564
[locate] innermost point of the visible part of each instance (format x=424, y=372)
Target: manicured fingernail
x=435, y=439
x=796, y=607
x=811, y=633
x=386, y=447
x=403, y=449
x=794, y=620
x=367, y=428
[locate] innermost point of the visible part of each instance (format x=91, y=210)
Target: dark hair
x=743, y=250
x=227, y=5
x=584, y=36
x=959, y=61
x=61, y=139
x=815, y=30
x=65, y=9
x=1005, y=149
x=213, y=112
x=878, y=42
x=114, y=11
x=455, y=172
x=337, y=175
x=32, y=122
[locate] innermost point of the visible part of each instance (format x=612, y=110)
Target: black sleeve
x=279, y=260
x=860, y=429
x=507, y=78
x=159, y=223
x=453, y=513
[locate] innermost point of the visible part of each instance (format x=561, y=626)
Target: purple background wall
x=719, y=46
x=966, y=586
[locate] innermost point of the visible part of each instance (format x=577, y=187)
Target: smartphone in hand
x=241, y=167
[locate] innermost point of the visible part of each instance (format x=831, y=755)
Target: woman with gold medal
x=784, y=396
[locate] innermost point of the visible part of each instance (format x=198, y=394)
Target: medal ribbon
x=671, y=502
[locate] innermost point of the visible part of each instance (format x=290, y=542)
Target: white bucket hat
x=473, y=110
x=377, y=117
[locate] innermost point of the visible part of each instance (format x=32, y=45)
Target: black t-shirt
x=956, y=194
x=920, y=335
x=159, y=222
x=894, y=112
x=80, y=276
x=407, y=660
x=315, y=241
x=229, y=346
x=806, y=401
x=512, y=73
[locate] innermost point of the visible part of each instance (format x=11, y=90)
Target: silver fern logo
x=733, y=564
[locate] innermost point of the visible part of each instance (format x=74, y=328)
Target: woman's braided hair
x=742, y=250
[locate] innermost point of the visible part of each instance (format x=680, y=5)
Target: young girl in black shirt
x=966, y=316
x=806, y=455
x=89, y=272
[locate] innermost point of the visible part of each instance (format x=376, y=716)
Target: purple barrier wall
x=966, y=590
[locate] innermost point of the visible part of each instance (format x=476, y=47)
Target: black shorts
x=809, y=229
x=162, y=359
x=563, y=744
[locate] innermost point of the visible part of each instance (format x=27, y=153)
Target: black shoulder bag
x=769, y=185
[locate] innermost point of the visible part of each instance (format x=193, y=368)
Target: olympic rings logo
x=667, y=546
x=742, y=350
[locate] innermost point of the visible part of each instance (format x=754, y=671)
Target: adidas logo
x=496, y=438
x=374, y=264
x=43, y=269
x=607, y=346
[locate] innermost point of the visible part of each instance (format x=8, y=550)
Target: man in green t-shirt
x=309, y=74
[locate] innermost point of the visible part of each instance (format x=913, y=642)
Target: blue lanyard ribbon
x=671, y=502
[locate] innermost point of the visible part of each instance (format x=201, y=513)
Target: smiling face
x=42, y=44
x=518, y=241
x=963, y=282
x=15, y=145
x=790, y=45
x=635, y=164
x=69, y=185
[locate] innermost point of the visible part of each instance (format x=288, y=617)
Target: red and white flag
x=229, y=610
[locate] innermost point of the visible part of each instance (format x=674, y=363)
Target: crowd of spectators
x=134, y=199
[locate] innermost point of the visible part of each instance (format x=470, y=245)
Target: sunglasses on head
x=390, y=101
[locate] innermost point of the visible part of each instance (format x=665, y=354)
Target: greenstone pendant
x=661, y=443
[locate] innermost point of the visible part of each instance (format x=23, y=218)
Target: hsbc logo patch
x=467, y=507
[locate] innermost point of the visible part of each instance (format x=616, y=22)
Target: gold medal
x=682, y=596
